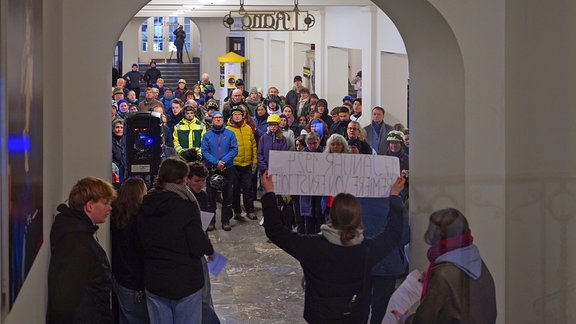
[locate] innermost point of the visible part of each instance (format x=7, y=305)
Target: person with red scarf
x=457, y=287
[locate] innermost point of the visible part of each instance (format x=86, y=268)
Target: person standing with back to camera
x=337, y=261
x=179, y=42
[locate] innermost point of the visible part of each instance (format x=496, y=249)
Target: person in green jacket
x=188, y=132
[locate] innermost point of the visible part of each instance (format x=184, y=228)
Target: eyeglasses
x=353, y=128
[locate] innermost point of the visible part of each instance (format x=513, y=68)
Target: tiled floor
x=260, y=283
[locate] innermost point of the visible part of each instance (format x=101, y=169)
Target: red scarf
x=443, y=246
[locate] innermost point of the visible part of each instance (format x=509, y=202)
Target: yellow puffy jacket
x=246, y=144
x=188, y=134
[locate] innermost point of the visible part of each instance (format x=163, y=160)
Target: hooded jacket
x=170, y=231
x=79, y=276
x=460, y=290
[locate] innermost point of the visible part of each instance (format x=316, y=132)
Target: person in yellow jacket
x=245, y=163
x=188, y=132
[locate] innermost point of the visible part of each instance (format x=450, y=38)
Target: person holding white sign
x=337, y=261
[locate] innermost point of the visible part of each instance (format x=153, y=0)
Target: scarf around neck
x=332, y=235
x=182, y=191
x=440, y=248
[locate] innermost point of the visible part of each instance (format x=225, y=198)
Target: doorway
x=157, y=39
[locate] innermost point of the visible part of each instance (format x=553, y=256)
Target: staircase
x=172, y=72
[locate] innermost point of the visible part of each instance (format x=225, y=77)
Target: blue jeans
x=132, y=305
x=165, y=311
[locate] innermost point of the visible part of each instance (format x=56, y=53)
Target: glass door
x=157, y=39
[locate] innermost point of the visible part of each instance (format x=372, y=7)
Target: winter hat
x=253, y=90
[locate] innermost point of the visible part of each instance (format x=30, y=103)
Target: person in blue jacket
x=219, y=147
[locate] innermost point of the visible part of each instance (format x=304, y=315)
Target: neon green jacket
x=188, y=134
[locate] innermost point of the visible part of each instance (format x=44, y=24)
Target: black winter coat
x=79, y=277
x=330, y=270
x=151, y=76
x=127, y=261
x=133, y=80
x=170, y=231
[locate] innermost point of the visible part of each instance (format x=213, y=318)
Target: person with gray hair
x=336, y=144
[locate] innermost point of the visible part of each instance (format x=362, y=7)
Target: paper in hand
x=406, y=296
x=206, y=218
x=216, y=266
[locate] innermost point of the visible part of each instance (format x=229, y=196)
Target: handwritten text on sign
x=328, y=174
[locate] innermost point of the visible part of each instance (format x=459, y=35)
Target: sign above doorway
x=281, y=20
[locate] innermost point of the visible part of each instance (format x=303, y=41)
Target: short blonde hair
x=90, y=189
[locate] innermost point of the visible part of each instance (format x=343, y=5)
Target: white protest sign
x=328, y=174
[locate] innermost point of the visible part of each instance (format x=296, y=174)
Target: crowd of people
x=352, y=250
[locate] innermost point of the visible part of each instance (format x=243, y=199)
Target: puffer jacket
x=246, y=144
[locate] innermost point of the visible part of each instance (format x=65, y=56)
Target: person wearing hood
x=273, y=105
x=253, y=100
x=173, y=242
x=322, y=107
x=458, y=287
x=79, y=276
x=337, y=261
x=219, y=148
x=166, y=100
x=208, y=94
x=181, y=90
x=245, y=164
